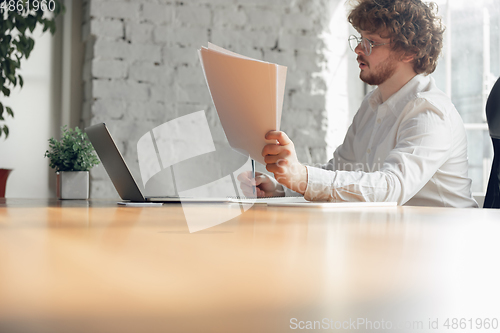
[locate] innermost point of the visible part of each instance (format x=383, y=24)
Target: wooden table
x=79, y=266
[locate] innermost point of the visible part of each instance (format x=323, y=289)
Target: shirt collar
x=399, y=99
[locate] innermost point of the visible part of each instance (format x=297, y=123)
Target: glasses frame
x=366, y=44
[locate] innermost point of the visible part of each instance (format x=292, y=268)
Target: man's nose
x=359, y=49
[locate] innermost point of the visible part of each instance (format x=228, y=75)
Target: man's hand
x=281, y=160
x=265, y=186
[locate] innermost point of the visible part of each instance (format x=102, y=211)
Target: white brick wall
x=142, y=69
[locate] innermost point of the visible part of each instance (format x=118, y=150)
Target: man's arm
x=424, y=140
x=423, y=145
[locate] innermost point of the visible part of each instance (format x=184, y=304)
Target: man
x=407, y=142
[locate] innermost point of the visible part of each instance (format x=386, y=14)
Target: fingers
x=276, y=169
x=284, y=144
x=247, y=183
x=245, y=176
x=271, y=159
x=248, y=191
x=279, y=167
x=281, y=137
x=272, y=149
x=260, y=193
x=260, y=179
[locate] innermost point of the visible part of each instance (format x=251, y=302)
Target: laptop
x=120, y=174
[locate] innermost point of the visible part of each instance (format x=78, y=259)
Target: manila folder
x=248, y=96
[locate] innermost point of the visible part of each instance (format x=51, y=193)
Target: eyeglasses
x=366, y=44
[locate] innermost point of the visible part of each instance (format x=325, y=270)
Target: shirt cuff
x=319, y=184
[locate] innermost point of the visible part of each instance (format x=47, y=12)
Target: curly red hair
x=413, y=26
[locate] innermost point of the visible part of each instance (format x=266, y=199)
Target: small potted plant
x=72, y=157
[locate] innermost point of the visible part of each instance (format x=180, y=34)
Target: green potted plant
x=72, y=157
x=18, y=20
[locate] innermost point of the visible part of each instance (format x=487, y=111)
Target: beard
x=379, y=74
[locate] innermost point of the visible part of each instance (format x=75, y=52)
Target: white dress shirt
x=411, y=149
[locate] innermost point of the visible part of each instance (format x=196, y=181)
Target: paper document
x=288, y=200
x=248, y=96
x=333, y=204
x=301, y=202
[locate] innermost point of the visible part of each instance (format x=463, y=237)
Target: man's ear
x=408, y=57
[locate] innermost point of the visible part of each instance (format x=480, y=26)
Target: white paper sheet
x=248, y=96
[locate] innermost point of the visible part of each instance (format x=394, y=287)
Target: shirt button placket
x=380, y=113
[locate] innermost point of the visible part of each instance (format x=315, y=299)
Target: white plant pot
x=72, y=185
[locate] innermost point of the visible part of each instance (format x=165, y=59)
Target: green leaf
x=9, y=111
x=21, y=81
x=9, y=24
x=12, y=78
x=31, y=22
x=6, y=130
x=31, y=44
x=21, y=25
x=52, y=27
x=6, y=91
x=4, y=48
